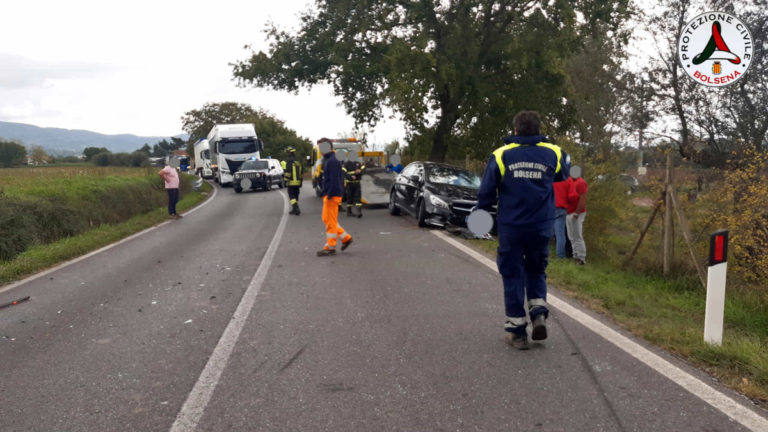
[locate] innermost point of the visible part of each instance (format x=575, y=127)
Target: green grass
x=670, y=313
x=42, y=256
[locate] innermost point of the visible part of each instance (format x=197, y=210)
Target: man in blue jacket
x=333, y=190
x=519, y=175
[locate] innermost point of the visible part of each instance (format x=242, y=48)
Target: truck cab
x=230, y=146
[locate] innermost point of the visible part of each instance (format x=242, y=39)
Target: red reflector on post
x=718, y=247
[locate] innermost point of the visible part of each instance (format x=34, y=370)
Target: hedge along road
x=400, y=332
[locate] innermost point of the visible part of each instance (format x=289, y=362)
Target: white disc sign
x=394, y=159
x=480, y=222
x=324, y=147
x=353, y=156
x=245, y=183
x=342, y=155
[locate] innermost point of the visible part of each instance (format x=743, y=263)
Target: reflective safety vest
x=349, y=171
x=292, y=175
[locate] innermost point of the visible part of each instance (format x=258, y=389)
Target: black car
x=435, y=193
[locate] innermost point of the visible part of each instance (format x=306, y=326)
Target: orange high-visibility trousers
x=333, y=231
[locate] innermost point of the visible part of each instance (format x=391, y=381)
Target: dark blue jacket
x=333, y=179
x=519, y=176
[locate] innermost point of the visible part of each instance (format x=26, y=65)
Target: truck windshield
x=254, y=165
x=237, y=146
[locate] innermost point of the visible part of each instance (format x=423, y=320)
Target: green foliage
x=90, y=152
x=12, y=154
x=455, y=72
x=67, y=203
x=273, y=132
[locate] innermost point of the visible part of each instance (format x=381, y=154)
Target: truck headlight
x=438, y=202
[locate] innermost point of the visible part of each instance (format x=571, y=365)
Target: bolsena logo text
x=715, y=49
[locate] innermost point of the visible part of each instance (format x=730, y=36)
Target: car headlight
x=225, y=170
x=438, y=202
x=237, y=175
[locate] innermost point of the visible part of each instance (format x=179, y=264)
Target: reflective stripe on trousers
x=333, y=231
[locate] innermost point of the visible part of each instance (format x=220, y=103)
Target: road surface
x=226, y=320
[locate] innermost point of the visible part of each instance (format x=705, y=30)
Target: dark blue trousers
x=522, y=261
x=173, y=198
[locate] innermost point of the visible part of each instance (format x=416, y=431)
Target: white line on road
x=98, y=251
x=725, y=404
x=190, y=414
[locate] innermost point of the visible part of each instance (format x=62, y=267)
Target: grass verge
x=40, y=257
x=670, y=314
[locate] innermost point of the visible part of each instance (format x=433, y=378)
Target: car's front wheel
x=393, y=210
x=422, y=215
x=238, y=189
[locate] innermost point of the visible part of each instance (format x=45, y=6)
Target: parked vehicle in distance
x=231, y=145
x=435, y=193
x=203, y=159
x=257, y=174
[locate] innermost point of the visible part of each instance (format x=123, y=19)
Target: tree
x=197, y=123
x=38, y=156
x=455, y=71
x=90, y=152
x=273, y=132
x=11, y=154
x=146, y=149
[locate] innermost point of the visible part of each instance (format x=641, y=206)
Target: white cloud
x=136, y=67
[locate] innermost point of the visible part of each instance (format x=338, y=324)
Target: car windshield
x=237, y=146
x=254, y=165
x=453, y=176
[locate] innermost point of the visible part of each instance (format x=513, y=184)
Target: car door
x=413, y=182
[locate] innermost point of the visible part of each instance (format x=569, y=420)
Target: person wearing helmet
x=293, y=180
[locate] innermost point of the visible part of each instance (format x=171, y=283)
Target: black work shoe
x=346, y=245
x=326, y=252
x=359, y=214
x=539, y=328
x=349, y=211
x=518, y=342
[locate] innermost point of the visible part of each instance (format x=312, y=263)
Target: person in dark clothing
x=333, y=189
x=293, y=180
x=353, y=171
x=519, y=175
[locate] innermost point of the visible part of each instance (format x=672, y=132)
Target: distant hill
x=62, y=142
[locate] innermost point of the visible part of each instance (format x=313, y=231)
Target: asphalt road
x=401, y=332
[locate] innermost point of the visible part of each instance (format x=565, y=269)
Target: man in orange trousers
x=333, y=190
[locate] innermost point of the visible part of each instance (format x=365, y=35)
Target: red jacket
x=578, y=188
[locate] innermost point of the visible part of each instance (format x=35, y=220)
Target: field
x=52, y=214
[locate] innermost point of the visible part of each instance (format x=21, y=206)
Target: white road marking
x=98, y=251
x=718, y=400
x=194, y=407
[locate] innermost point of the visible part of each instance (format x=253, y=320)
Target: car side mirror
x=415, y=178
x=271, y=168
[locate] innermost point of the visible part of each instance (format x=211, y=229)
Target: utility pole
x=668, y=223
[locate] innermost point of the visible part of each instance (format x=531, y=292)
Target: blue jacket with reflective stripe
x=333, y=182
x=519, y=176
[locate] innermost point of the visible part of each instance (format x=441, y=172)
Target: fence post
x=715, y=309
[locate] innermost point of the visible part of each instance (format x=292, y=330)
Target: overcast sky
x=136, y=67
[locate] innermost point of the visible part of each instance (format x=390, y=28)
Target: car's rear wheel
x=422, y=215
x=393, y=210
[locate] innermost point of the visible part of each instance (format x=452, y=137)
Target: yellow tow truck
x=375, y=183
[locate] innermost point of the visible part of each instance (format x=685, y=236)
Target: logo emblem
x=715, y=49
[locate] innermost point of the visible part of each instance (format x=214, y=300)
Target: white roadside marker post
x=715, y=309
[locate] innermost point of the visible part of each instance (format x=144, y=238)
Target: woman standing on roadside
x=171, y=178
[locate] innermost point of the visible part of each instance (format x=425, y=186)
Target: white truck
x=230, y=145
x=203, y=159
